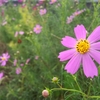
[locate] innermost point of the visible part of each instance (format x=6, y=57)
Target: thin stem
x=56, y=36
x=59, y=85
x=89, y=88
x=71, y=90
x=76, y=82
x=94, y=97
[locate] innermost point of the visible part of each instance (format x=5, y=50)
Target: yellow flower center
x=83, y=46
x=3, y=58
x=37, y=28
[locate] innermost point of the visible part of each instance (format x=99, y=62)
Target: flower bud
x=45, y=93
x=55, y=79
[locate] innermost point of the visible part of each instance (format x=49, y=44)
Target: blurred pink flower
x=18, y=70
x=1, y=3
x=15, y=5
x=23, y=5
x=76, y=13
x=41, y=2
x=70, y=19
x=27, y=61
x=58, y=5
x=21, y=64
x=16, y=33
x=4, y=23
x=21, y=32
x=52, y=1
x=37, y=29
x=36, y=57
x=42, y=11
x=15, y=62
x=4, y=58
x=1, y=75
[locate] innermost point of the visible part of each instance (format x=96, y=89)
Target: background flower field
x=30, y=41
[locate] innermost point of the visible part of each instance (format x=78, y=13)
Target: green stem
x=56, y=36
x=94, y=96
x=71, y=90
x=76, y=82
x=59, y=85
x=89, y=88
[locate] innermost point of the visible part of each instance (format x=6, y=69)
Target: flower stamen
x=3, y=58
x=83, y=46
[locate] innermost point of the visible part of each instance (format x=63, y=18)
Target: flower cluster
x=19, y=69
x=76, y=13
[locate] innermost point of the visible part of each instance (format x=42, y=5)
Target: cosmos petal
x=89, y=67
x=95, y=35
x=95, y=55
x=96, y=46
x=68, y=41
x=74, y=63
x=65, y=55
x=3, y=63
x=80, y=32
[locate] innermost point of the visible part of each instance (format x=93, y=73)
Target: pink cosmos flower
x=15, y=62
x=42, y=11
x=82, y=51
x=37, y=29
x=18, y=70
x=4, y=58
x=52, y=1
x=1, y=75
x=21, y=32
x=27, y=61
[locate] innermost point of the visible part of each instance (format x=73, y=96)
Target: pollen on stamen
x=82, y=46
